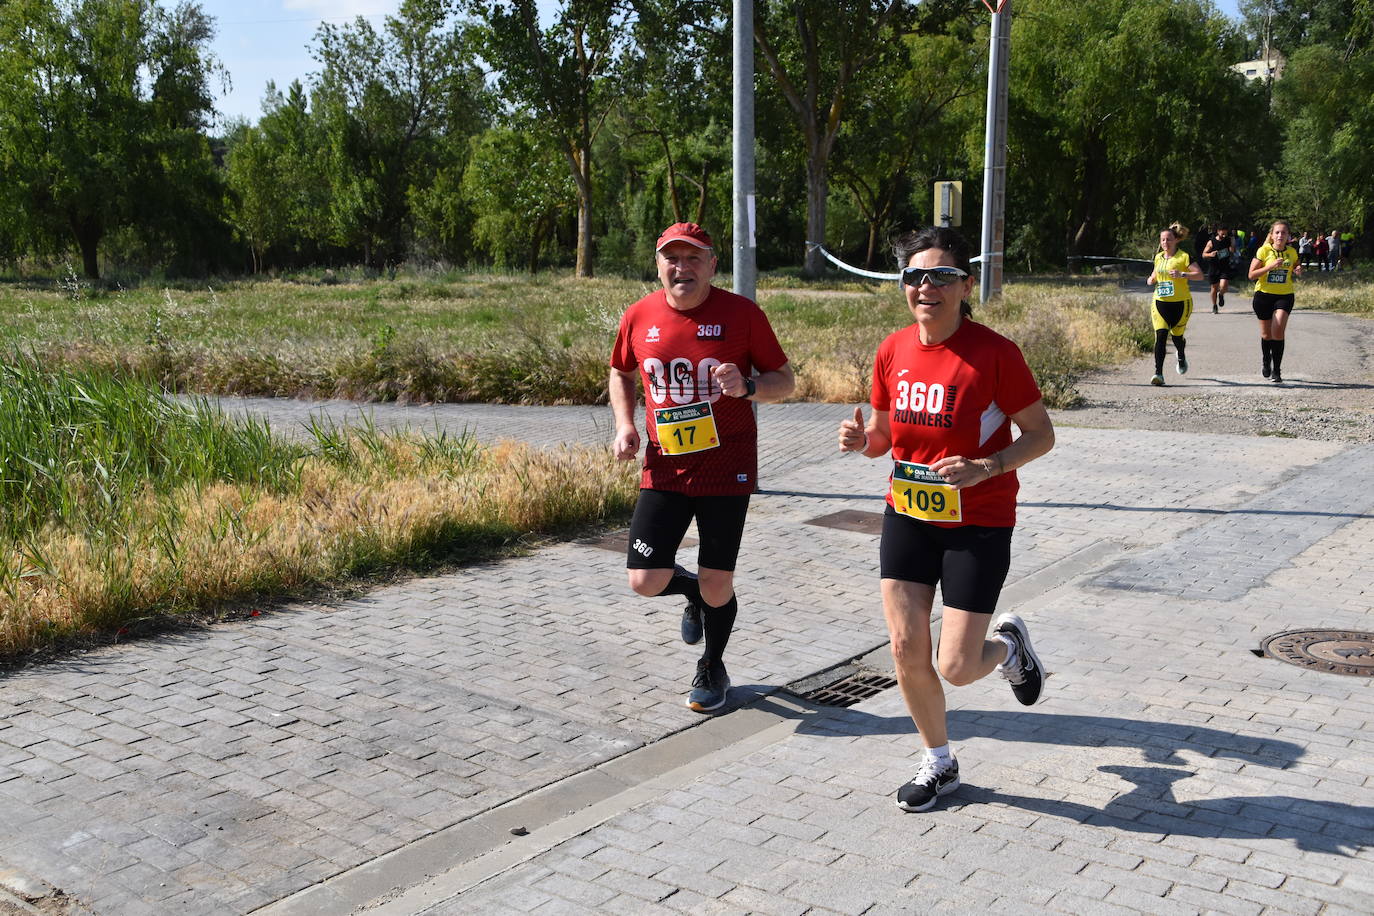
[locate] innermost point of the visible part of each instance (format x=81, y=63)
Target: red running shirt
x=955, y=398
x=675, y=352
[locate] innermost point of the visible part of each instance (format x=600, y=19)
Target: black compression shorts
x=661, y=519
x=1266, y=304
x=969, y=562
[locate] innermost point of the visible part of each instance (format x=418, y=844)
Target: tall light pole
x=745, y=266
x=995, y=156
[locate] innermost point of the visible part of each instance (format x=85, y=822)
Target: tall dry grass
x=97, y=544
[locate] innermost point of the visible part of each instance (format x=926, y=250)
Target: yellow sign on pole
x=949, y=203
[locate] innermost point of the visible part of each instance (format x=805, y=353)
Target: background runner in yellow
x=1172, y=304
x=1273, y=269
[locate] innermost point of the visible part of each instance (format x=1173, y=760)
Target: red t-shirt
x=675, y=352
x=955, y=398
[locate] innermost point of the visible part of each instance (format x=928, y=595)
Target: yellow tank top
x=1167, y=288
x=1279, y=280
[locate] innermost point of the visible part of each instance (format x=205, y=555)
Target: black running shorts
x=969, y=562
x=1266, y=304
x=660, y=522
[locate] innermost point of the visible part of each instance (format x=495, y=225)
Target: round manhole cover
x=1337, y=651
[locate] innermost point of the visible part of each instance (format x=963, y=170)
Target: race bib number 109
x=921, y=493
x=686, y=429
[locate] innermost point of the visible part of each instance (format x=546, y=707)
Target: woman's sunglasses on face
x=935, y=276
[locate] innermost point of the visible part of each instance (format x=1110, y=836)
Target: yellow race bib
x=686, y=429
x=921, y=493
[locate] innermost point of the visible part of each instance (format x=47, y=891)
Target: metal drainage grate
x=1336, y=651
x=850, y=690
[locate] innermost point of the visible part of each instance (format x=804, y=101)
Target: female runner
x=1173, y=302
x=1273, y=269
x=945, y=393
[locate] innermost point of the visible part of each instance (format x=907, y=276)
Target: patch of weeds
x=1278, y=433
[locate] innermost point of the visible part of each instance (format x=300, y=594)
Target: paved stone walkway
x=313, y=759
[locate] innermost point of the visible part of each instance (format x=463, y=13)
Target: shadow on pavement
x=1151, y=807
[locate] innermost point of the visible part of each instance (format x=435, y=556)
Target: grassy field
x=126, y=509
x=495, y=338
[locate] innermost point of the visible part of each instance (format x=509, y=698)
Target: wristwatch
x=749, y=388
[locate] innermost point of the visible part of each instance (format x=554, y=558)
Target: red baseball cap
x=690, y=233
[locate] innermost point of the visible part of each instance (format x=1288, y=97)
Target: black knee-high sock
x=1276, y=354
x=1264, y=349
x=683, y=583
x=719, y=622
x=1160, y=337
x=1179, y=344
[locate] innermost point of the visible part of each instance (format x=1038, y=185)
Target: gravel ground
x=1328, y=392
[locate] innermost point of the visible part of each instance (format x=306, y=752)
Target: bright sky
x=261, y=40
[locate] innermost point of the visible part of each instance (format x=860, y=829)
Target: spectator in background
x=1319, y=251
x=1305, y=249
x=1333, y=250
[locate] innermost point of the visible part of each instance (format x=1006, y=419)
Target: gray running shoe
x=1182, y=364
x=693, y=627
x=931, y=781
x=1028, y=677
x=1157, y=380
x=709, y=688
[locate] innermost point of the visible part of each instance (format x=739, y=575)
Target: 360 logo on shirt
x=919, y=396
x=680, y=382
x=922, y=404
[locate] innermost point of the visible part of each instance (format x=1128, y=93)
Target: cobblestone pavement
x=1169, y=769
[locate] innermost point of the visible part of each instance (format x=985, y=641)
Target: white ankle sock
x=1011, y=660
x=941, y=753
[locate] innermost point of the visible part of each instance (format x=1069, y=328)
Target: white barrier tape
x=871, y=274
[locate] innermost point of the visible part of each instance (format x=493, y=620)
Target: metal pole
x=995, y=157
x=745, y=265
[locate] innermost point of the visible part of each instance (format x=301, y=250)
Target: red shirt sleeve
x=1016, y=387
x=623, y=353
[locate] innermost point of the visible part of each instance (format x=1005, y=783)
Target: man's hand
x=626, y=445
x=730, y=380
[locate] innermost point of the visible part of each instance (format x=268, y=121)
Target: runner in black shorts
x=946, y=391
x=695, y=348
x=1218, y=258
x=1273, y=269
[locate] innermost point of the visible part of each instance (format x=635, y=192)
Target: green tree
x=1123, y=116
x=276, y=198
x=388, y=104
x=518, y=187
x=814, y=51
x=566, y=75
x=1323, y=103
x=102, y=109
x=896, y=141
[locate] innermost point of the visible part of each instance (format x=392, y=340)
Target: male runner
x=695, y=348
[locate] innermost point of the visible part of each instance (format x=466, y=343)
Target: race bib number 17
x=921, y=493
x=686, y=429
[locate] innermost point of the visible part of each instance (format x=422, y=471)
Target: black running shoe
x=692, y=625
x=931, y=781
x=709, y=688
x=1221, y=300
x=1028, y=677
x=1276, y=379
